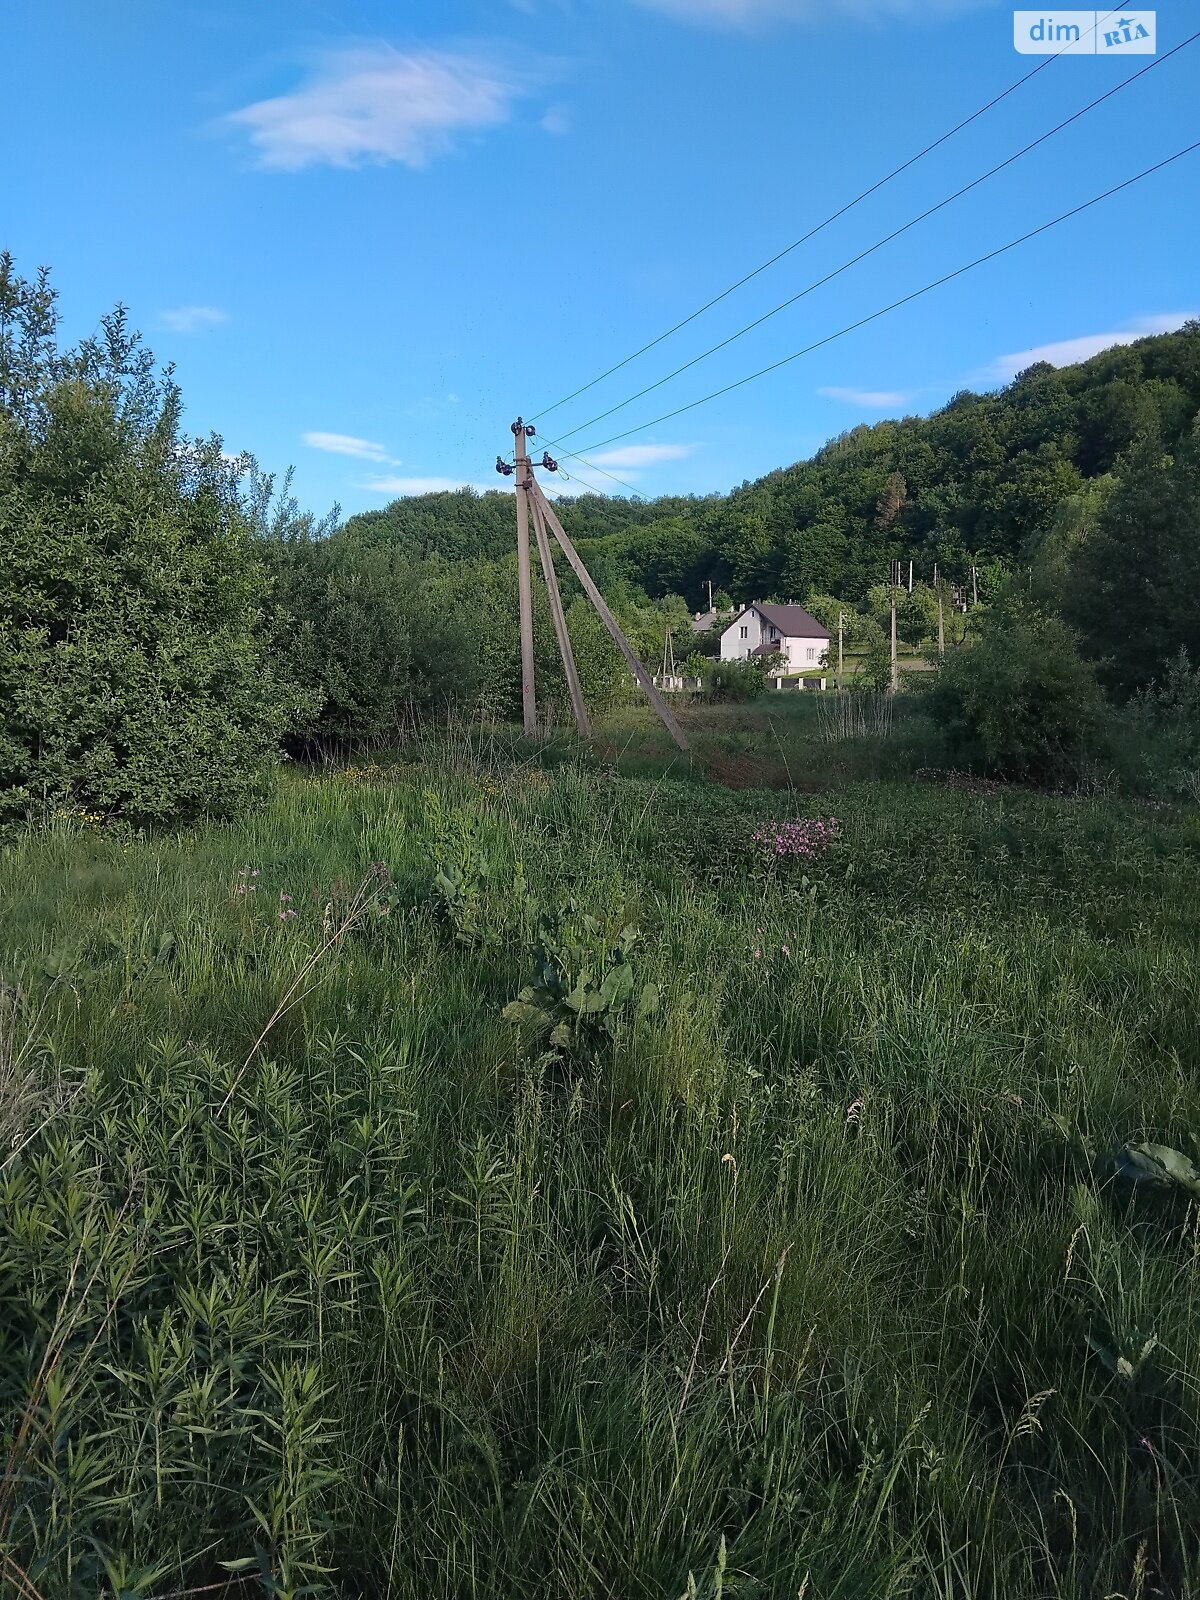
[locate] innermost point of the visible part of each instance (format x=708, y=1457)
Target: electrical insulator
x=503, y=466
x=548, y=462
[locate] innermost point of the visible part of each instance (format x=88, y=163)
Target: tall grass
x=855, y=715
x=820, y=1282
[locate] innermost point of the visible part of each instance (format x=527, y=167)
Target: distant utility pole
x=841, y=658
x=910, y=576
x=710, y=604
x=894, y=680
x=974, y=586
x=531, y=501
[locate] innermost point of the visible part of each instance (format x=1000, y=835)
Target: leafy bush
x=388, y=638
x=874, y=673
x=133, y=679
x=1158, y=748
x=1022, y=702
x=580, y=991
x=1173, y=700
x=460, y=869
x=734, y=681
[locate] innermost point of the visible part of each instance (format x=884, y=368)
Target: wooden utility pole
x=841, y=656
x=605, y=615
x=524, y=586
x=545, y=555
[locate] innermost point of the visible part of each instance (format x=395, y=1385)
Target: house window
x=812, y=653
x=745, y=633
x=774, y=633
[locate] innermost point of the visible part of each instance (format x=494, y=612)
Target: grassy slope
x=821, y=1276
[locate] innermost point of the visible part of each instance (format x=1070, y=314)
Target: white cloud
x=1065, y=351
x=345, y=444
x=868, y=399
x=408, y=486
x=376, y=105
x=753, y=13
x=640, y=455
x=192, y=319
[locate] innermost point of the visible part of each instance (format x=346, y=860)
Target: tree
x=1022, y=702
x=1136, y=578
x=891, y=501
x=916, y=616
x=1049, y=554
x=134, y=675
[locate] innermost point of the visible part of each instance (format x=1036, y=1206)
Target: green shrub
x=1157, y=746
x=734, y=681
x=1022, y=702
x=133, y=680
x=874, y=673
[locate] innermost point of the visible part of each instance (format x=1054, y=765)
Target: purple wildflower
x=806, y=837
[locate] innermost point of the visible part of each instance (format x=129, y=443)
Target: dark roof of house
x=792, y=621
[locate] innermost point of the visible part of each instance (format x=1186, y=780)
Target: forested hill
x=973, y=482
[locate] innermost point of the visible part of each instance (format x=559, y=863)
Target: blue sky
x=368, y=234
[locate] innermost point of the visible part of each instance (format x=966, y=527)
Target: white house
x=789, y=631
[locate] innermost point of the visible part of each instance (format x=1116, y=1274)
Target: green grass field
x=320, y=1276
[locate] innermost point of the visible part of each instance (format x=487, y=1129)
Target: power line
x=812, y=233
x=575, y=477
x=879, y=243
x=594, y=466
x=905, y=300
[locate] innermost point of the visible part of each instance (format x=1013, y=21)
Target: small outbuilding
x=789, y=631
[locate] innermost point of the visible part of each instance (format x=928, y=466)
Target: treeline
x=969, y=485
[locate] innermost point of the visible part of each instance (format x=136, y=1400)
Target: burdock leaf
x=1157, y=1165
x=618, y=984
x=524, y=1015
x=647, y=1004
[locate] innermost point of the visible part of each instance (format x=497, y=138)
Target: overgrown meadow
x=494, y=1173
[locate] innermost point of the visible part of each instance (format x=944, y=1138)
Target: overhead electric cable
x=820, y=226
x=879, y=243
x=905, y=300
x=594, y=466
